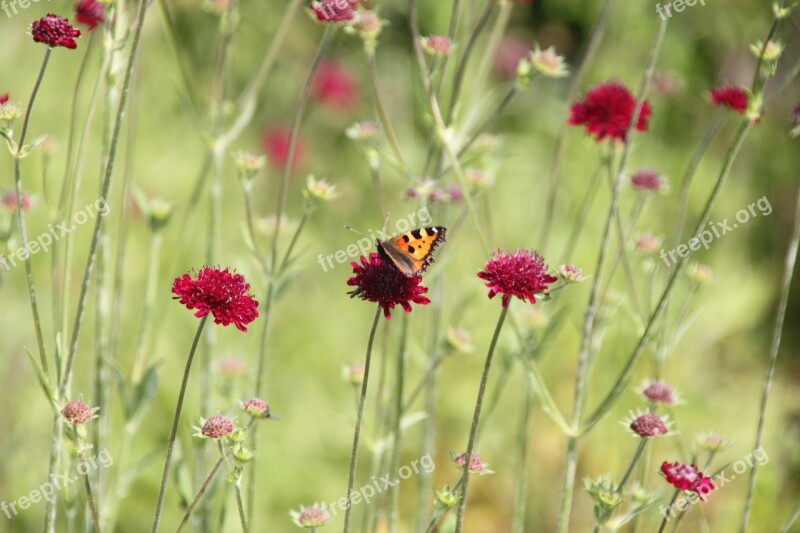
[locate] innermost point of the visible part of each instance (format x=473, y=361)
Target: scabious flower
x=53, y=31
x=607, y=111
x=700, y=274
x=510, y=51
x=729, y=96
x=713, y=442
x=333, y=10
x=521, y=274
x=547, y=62
x=659, y=392
x=216, y=427
x=647, y=425
x=436, y=45
x=335, y=86
x=570, y=273
x=219, y=292
x=310, y=517
x=320, y=189
x=77, y=412
x=647, y=180
x=354, y=374
x=256, y=407
x=687, y=477
x=276, y=145
x=476, y=466
x=10, y=201
x=378, y=281
x=3, y=98
x=460, y=340
x=362, y=131
x=647, y=243
x=90, y=12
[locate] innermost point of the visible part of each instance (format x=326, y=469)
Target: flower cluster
x=687, y=477
x=521, y=274
x=219, y=292
x=734, y=98
x=607, y=111
x=90, y=12
x=54, y=31
x=381, y=282
x=77, y=412
x=476, y=466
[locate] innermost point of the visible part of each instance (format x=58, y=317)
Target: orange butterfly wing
x=412, y=252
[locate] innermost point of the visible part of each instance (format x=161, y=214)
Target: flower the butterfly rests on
x=379, y=281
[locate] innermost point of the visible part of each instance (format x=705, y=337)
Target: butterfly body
x=412, y=252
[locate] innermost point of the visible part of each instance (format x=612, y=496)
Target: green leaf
x=44, y=380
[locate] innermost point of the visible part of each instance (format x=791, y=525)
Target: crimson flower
x=649, y=425
x=219, y=292
x=648, y=180
x=521, y=274
x=330, y=10
x=55, y=31
x=335, y=86
x=276, y=145
x=381, y=282
x=687, y=477
x=77, y=412
x=90, y=12
x=3, y=98
x=607, y=111
x=732, y=97
x=216, y=427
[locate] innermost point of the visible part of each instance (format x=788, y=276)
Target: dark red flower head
x=55, y=31
x=335, y=86
x=648, y=180
x=731, y=97
x=90, y=12
x=381, y=282
x=521, y=274
x=219, y=292
x=276, y=146
x=607, y=111
x=687, y=477
x=3, y=98
x=649, y=425
x=333, y=10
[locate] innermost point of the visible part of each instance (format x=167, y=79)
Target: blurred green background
x=316, y=329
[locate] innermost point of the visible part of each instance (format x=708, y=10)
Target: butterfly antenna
x=354, y=230
x=386, y=222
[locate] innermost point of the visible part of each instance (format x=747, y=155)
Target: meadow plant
x=206, y=153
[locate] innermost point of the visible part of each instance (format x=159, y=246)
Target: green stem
x=297, y=120
x=521, y=496
x=581, y=372
x=636, y=455
x=89, y=497
x=667, y=512
x=400, y=371
x=199, y=496
x=20, y=213
x=109, y=168
x=357, y=434
x=780, y=317
x=381, y=106
x=149, y=300
x=558, y=153
x=175, y=420
x=691, y=169
x=462, y=503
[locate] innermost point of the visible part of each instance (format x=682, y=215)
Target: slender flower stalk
x=629, y=471
x=372, y=66
x=200, y=493
x=20, y=212
x=473, y=432
x=598, y=31
x=400, y=374
x=89, y=497
x=777, y=331
x=581, y=372
x=357, y=434
x=175, y=420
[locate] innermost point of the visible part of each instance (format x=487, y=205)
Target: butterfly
x=411, y=253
